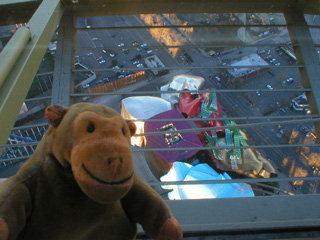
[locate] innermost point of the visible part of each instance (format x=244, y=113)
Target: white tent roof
x=143, y=107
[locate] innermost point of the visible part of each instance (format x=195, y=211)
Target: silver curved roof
x=181, y=82
x=189, y=82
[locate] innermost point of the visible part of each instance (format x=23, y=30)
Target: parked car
x=269, y=87
x=289, y=80
x=303, y=129
x=108, y=51
x=121, y=45
x=115, y=68
x=87, y=22
x=99, y=82
x=100, y=59
x=144, y=45
x=125, y=73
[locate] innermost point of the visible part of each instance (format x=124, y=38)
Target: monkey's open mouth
x=103, y=182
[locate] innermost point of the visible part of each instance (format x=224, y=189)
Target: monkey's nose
x=114, y=164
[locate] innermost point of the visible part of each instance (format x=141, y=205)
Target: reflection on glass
x=137, y=60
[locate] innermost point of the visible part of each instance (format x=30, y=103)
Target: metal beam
x=12, y=51
x=248, y=214
x=306, y=54
x=10, y=2
x=17, y=11
x=123, y=7
x=63, y=75
x=42, y=25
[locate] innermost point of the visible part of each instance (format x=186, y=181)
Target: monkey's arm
x=144, y=206
x=15, y=207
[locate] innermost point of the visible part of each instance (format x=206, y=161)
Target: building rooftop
x=249, y=60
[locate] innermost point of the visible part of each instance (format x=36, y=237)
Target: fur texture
x=80, y=183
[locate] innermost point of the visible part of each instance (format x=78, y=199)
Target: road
x=111, y=39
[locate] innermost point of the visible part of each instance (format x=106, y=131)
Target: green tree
x=114, y=63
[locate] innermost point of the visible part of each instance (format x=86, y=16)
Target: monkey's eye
x=123, y=132
x=90, y=127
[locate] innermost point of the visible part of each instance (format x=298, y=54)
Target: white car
x=100, y=59
x=269, y=87
x=144, y=45
x=121, y=45
x=116, y=68
x=140, y=65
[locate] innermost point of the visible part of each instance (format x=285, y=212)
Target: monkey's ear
x=54, y=114
x=132, y=127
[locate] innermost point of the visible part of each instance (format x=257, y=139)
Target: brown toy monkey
x=80, y=183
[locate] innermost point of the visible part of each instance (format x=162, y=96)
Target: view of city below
x=175, y=74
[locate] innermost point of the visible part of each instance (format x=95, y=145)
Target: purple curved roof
x=172, y=140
